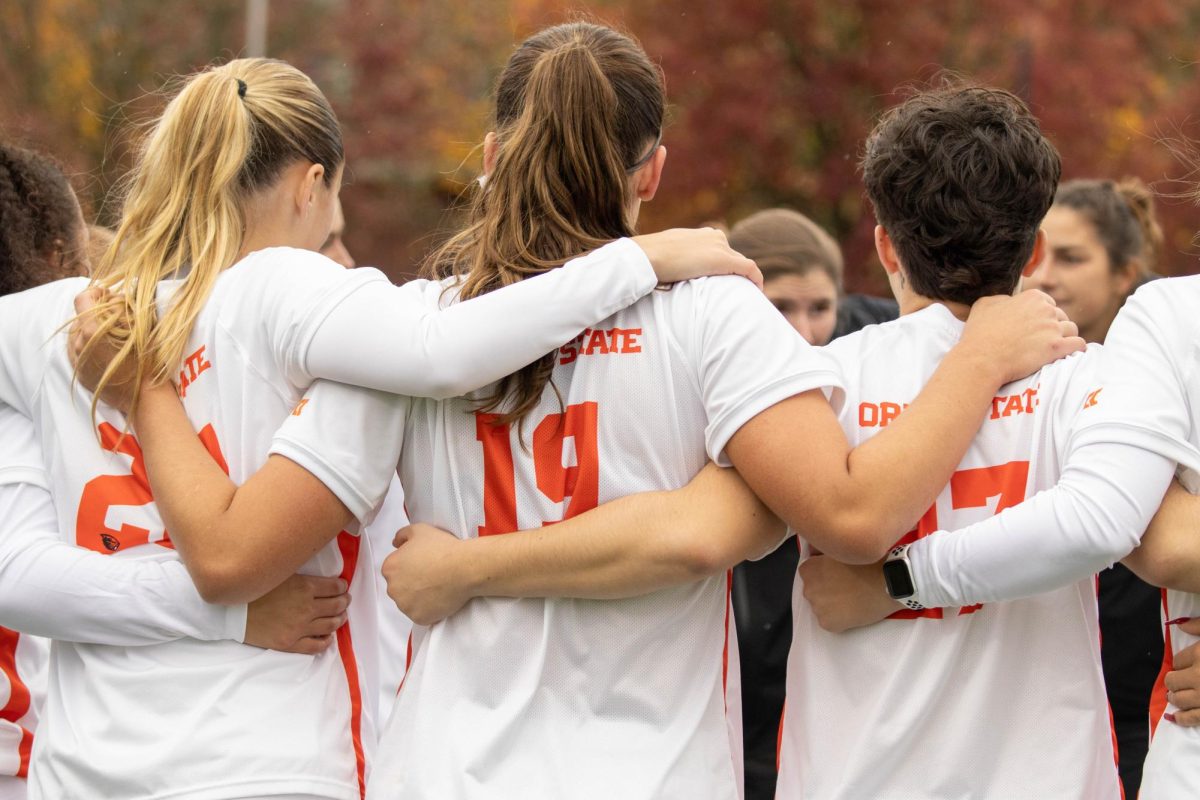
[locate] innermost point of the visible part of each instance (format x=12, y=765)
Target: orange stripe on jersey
x=1158, y=695
x=1112, y=725
x=24, y=751
x=18, y=695
x=348, y=546
x=779, y=734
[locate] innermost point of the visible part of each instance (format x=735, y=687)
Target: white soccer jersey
x=23, y=658
x=192, y=721
x=394, y=627
x=1004, y=700
x=576, y=698
x=188, y=719
x=1149, y=397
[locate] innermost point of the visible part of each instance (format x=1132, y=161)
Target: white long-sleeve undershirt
x=393, y=339
x=1094, y=516
x=53, y=589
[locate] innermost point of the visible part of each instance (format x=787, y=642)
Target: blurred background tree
x=770, y=99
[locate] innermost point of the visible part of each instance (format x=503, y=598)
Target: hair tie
x=241, y=88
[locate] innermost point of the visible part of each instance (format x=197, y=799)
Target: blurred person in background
x=334, y=248
x=1103, y=238
x=802, y=269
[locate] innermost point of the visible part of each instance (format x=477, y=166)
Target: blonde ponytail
x=227, y=134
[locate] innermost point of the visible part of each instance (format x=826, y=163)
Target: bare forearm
x=1169, y=554
x=895, y=476
x=630, y=546
x=190, y=489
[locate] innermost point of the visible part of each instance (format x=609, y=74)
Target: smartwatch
x=898, y=577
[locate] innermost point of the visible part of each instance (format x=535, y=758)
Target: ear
x=491, y=151
x=1037, y=256
x=647, y=178
x=886, y=251
x=306, y=188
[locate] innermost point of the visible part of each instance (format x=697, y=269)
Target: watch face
x=898, y=579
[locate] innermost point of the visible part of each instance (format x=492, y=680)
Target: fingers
x=318, y=586
x=1181, y=661
x=331, y=606
x=88, y=298
x=1187, y=719
x=1191, y=626
x=402, y=536
x=311, y=645
x=325, y=626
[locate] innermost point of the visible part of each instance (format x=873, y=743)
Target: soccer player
x=220, y=719
x=546, y=698
x=50, y=589
x=953, y=702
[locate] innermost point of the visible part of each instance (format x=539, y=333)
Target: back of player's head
x=579, y=110
x=960, y=178
x=1122, y=214
x=42, y=235
x=229, y=133
x=785, y=242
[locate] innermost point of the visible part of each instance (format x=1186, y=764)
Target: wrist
x=147, y=396
x=977, y=365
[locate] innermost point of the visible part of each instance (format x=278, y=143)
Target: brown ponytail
x=1140, y=199
x=576, y=108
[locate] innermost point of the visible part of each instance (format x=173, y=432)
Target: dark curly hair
x=960, y=178
x=39, y=221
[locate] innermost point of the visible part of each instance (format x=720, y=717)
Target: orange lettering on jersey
x=299, y=407
x=193, y=366
x=1021, y=403
x=597, y=343
x=970, y=488
x=878, y=415
x=600, y=342
x=1092, y=398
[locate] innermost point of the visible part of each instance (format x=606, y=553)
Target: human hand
x=1019, y=335
x=1183, y=681
x=300, y=615
x=91, y=363
x=682, y=253
x=844, y=596
x=423, y=575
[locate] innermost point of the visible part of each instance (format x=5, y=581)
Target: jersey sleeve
x=748, y=358
x=349, y=438
x=28, y=322
x=53, y=589
x=1092, y=517
x=1147, y=366
x=1102, y=498
x=407, y=340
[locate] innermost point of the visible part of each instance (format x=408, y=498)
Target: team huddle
x=592, y=428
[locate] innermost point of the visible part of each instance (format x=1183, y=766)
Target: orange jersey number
x=971, y=488
x=580, y=482
x=107, y=491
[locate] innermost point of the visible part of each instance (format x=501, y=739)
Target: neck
x=911, y=303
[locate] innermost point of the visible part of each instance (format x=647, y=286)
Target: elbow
x=442, y=382
x=221, y=582
x=852, y=537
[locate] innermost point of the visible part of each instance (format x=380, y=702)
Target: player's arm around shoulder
x=854, y=504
